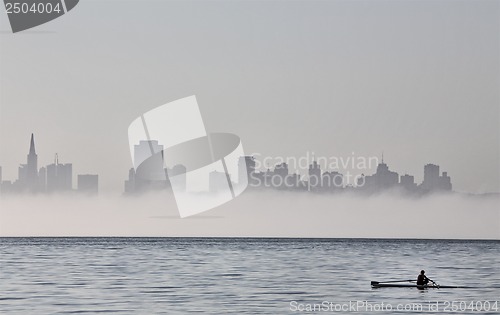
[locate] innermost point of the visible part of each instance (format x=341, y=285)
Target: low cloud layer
x=256, y=214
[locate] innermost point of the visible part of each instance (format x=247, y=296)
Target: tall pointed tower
x=32, y=165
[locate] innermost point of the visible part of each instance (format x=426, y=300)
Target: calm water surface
x=247, y=276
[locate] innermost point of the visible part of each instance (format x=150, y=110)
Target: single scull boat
x=391, y=284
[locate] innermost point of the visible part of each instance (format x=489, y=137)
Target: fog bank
x=256, y=214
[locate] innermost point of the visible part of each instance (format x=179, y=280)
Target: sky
x=417, y=80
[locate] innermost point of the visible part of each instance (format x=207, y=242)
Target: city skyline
x=415, y=79
x=55, y=177
x=152, y=174
x=297, y=211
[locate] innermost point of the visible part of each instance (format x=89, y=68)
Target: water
x=247, y=276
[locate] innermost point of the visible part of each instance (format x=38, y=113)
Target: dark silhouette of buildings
x=149, y=156
x=408, y=182
x=28, y=173
x=55, y=177
x=315, y=178
x=431, y=177
x=281, y=170
x=328, y=181
x=332, y=181
x=382, y=179
x=150, y=173
x=280, y=177
x=445, y=182
x=432, y=180
x=386, y=179
x=59, y=176
x=32, y=166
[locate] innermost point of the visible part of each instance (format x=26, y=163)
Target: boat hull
x=420, y=287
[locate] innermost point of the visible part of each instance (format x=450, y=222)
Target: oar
x=392, y=281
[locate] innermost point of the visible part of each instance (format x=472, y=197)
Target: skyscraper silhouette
x=28, y=173
x=382, y=179
x=59, y=176
x=408, y=182
x=32, y=166
x=432, y=180
x=55, y=177
x=431, y=177
x=314, y=176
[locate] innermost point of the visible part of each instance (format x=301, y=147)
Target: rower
x=422, y=279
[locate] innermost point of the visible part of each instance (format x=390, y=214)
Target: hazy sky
x=418, y=80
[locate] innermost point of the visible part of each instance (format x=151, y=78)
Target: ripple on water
x=247, y=276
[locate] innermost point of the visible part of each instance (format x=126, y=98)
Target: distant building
x=59, y=176
x=294, y=181
x=431, y=177
x=432, y=180
x=54, y=177
x=382, y=179
x=265, y=177
x=88, y=183
x=32, y=166
x=279, y=177
x=149, y=172
x=332, y=181
x=408, y=182
x=281, y=170
x=445, y=182
x=28, y=173
x=147, y=149
x=315, y=179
